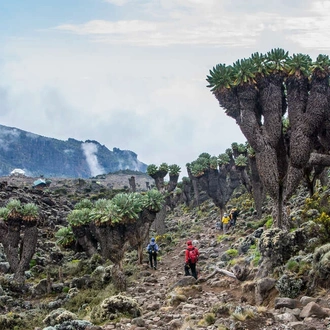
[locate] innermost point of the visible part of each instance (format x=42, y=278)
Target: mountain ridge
x=39, y=155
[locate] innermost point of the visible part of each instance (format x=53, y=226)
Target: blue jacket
x=152, y=246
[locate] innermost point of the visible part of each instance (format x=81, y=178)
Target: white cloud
x=127, y=90
x=90, y=152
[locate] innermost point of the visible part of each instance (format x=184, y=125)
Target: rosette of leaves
x=127, y=206
x=78, y=218
x=177, y=191
x=174, y=169
x=204, y=155
x=163, y=167
x=223, y=159
x=100, y=213
x=4, y=213
x=299, y=65
x=234, y=146
x=321, y=67
x=64, y=236
x=197, y=169
x=276, y=60
x=220, y=77
x=153, y=200
x=15, y=209
x=229, y=152
x=185, y=179
x=241, y=148
x=30, y=212
x=241, y=161
x=152, y=169
x=250, y=151
x=84, y=204
x=244, y=72
x=214, y=162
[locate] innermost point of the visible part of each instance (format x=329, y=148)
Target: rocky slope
x=66, y=290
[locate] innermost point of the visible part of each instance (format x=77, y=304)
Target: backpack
x=152, y=248
x=192, y=254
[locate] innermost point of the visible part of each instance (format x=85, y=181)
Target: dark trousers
x=192, y=267
x=153, y=259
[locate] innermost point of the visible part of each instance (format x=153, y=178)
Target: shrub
x=288, y=286
x=232, y=253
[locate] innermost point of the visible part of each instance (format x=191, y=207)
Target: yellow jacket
x=225, y=220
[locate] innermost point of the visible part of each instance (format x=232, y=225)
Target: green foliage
x=223, y=159
x=241, y=148
x=163, y=167
x=79, y=217
x=153, y=200
x=152, y=169
x=276, y=61
x=299, y=65
x=185, y=179
x=30, y=212
x=204, y=155
x=324, y=221
x=64, y=236
x=174, y=169
x=269, y=222
x=241, y=161
x=4, y=213
x=232, y=253
x=15, y=208
x=292, y=265
x=214, y=163
x=234, y=146
x=289, y=286
x=256, y=259
x=84, y=204
x=127, y=206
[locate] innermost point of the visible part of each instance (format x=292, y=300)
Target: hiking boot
x=155, y=268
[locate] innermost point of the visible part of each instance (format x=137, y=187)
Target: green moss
x=232, y=253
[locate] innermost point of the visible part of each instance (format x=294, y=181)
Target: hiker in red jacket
x=191, y=258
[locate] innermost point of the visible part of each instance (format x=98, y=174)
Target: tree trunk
x=28, y=247
x=12, y=245
x=159, y=223
x=85, y=239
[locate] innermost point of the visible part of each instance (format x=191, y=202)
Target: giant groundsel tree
x=258, y=92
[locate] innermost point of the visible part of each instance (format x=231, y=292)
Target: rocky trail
x=164, y=298
x=170, y=300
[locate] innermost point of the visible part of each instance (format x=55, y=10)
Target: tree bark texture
x=280, y=158
x=28, y=247
x=85, y=239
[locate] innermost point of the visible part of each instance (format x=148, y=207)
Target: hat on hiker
x=153, y=239
x=189, y=243
x=225, y=215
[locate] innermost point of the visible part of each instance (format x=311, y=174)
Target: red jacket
x=191, y=247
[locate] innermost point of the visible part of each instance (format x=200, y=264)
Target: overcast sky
x=131, y=73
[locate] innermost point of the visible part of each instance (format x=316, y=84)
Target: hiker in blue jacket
x=153, y=249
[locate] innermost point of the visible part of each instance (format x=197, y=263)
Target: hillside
x=38, y=155
x=67, y=290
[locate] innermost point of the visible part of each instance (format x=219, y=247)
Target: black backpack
x=151, y=248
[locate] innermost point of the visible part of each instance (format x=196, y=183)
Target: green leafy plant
x=223, y=159
x=153, y=200
x=65, y=236
x=174, y=169
x=4, y=213
x=79, y=217
x=84, y=204
x=30, y=212
x=152, y=169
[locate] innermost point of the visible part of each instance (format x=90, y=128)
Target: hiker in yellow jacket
x=225, y=222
